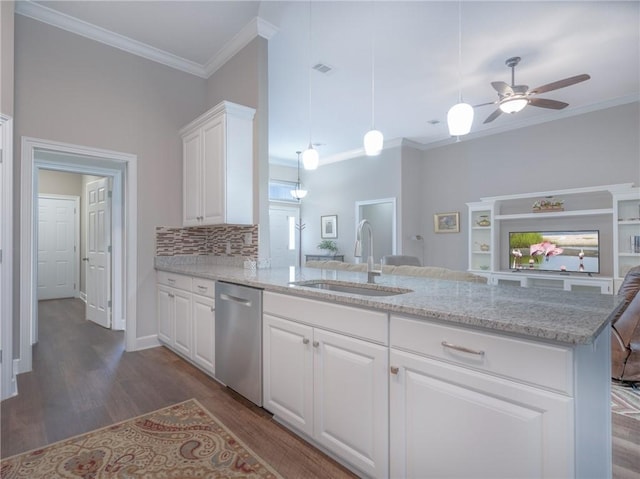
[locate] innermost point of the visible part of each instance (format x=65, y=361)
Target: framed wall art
x=329, y=227
x=446, y=222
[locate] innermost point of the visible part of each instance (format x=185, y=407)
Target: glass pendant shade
x=310, y=158
x=373, y=142
x=299, y=192
x=459, y=119
x=513, y=105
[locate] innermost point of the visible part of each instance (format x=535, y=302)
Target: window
x=280, y=190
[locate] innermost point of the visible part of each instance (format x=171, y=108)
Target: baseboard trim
x=147, y=342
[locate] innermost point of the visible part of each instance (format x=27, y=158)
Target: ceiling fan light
x=513, y=105
x=310, y=158
x=373, y=142
x=459, y=119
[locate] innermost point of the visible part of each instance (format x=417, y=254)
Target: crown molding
x=256, y=27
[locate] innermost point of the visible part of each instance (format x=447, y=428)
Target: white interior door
x=98, y=260
x=57, y=246
x=284, y=236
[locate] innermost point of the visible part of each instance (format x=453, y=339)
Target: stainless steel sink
x=364, y=289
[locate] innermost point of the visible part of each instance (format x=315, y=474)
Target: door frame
x=394, y=220
x=8, y=386
x=76, y=235
x=122, y=167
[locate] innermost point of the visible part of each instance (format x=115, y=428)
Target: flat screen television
x=564, y=251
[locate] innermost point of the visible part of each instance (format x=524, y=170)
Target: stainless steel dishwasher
x=239, y=339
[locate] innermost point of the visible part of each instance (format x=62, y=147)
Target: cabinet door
x=182, y=340
x=191, y=178
x=448, y=421
x=213, y=172
x=288, y=372
x=165, y=314
x=204, y=331
x=351, y=400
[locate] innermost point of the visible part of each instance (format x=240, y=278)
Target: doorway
x=40, y=154
x=381, y=214
x=58, y=246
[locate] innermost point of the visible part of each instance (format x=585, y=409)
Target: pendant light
x=373, y=139
x=460, y=115
x=310, y=156
x=299, y=192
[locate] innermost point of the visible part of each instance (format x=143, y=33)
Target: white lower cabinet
x=186, y=317
x=174, y=318
x=331, y=387
x=448, y=421
x=204, y=330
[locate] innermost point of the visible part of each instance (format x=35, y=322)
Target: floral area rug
x=180, y=441
x=625, y=400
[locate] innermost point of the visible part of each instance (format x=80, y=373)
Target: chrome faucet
x=371, y=273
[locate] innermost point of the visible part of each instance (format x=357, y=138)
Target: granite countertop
x=534, y=313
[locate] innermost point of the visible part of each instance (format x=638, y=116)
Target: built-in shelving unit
x=612, y=209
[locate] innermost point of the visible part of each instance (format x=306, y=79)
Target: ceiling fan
x=513, y=98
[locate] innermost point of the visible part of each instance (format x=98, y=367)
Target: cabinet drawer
x=541, y=364
x=361, y=323
x=174, y=280
x=204, y=287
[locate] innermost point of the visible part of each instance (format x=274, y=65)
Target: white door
x=448, y=421
x=288, y=371
x=204, y=332
x=182, y=318
x=98, y=252
x=214, y=187
x=57, y=247
x=192, y=178
x=284, y=237
x=351, y=402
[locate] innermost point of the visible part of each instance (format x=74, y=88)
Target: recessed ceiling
x=415, y=52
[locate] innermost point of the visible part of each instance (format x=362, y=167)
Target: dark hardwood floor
x=82, y=379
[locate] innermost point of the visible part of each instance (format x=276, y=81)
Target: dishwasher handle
x=235, y=299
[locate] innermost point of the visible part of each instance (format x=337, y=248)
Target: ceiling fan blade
x=502, y=88
x=496, y=113
x=546, y=103
x=485, y=104
x=560, y=84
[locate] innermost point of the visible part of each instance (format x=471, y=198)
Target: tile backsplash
x=220, y=240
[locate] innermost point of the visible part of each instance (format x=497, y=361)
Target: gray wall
x=597, y=148
x=78, y=91
x=6, y=56
x=244, y=80
x=334, y=190
x=59, y=183
x=592, y=149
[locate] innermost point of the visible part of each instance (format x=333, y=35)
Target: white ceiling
x=415, y=48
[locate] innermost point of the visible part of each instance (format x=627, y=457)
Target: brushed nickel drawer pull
x=394, y=369
x=171, y=280
x=449, y=345
x=204, y=288
x=305, y=341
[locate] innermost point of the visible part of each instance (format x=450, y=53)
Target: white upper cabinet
x=217, y=178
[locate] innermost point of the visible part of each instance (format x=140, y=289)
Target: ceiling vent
x=322, y=68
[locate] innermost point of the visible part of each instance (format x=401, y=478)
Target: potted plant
x=329, y=246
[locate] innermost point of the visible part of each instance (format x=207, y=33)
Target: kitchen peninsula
x=453, y=378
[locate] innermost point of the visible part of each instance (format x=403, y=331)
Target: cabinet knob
x=394, y=370
x=305, y=341
x=212, y=309
x=316, y=344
